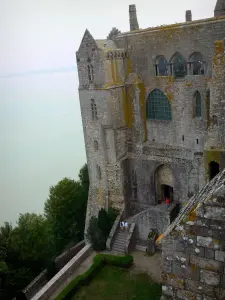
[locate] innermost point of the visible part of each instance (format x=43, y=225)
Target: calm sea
x=41, y=139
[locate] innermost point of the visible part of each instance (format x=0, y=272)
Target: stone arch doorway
x=214, y=169
x=163, y=184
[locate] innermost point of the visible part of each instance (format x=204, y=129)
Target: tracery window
x=196, y=63
x=179, y=65
x=161, y=66
x=158, y=106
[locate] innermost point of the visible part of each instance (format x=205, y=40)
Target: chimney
x=133, y=18
x=188, y=16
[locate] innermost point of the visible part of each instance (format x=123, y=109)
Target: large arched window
x=179, y=65
x=158, y=106
x=197, y=105
x=161, y=66
x=196, y=64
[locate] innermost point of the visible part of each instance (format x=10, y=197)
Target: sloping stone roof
x=106, y=44
x=213, y=193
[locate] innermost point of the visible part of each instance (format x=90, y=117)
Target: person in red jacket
x=167, y=201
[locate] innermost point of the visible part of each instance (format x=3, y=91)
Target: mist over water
x=41, y=139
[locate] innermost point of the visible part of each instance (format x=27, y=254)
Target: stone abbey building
x=153, y=110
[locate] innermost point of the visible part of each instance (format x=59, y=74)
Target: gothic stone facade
x=153, y=111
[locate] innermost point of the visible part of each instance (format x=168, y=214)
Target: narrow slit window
x=94, y=110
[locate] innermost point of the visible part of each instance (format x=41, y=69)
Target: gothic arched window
x=94, y=110
x=198, y=104
x=158, y=106
x=197, y=64
x=161, y=66
x=179, y=65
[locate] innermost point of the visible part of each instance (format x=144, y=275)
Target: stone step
x=119, y=243
x=122, y=235
x=118, y=249
x=120, y=240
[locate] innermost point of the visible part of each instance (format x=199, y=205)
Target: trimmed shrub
x=99, y=261
x=95, y=235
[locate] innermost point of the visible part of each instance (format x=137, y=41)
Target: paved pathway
x=83, y=267
x=148, y=264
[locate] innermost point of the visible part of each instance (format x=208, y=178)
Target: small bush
x=95, y=235
x=99, y=261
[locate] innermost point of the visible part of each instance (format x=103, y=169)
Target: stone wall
x=193, y=253
x=46, y=292
x=60, y=262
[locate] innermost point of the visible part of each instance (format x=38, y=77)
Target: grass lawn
x=112, y=283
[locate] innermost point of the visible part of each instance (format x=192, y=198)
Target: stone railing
x=46, y=292
x=131, y=238
x=113, y=231
x=60, y=262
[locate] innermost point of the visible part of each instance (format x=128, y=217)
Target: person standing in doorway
x=167, y=201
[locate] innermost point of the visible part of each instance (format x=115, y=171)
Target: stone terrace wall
x=193, y=254
x=60, y=262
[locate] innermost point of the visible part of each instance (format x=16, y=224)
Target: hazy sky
x=44, y=34
x=41, y=138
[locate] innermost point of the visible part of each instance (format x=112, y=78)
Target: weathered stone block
x=209, y=253
x=214, y=213
x=207, y=264
x=167, y=290
x=208, y=242
x=184, y=271
x=199, y=288
x=218, y=234
x=208, y=298
x=220, y=293
x=210, y=278
x=171, y=279
x=187, y=295
x=220, y=256
x=166, y=266
x=223, y=280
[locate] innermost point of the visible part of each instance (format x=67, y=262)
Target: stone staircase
x=119, y=241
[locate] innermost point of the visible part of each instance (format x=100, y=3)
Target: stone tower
x=219, y=8
x=214, y=154
x=153, y=113
x=133, y=18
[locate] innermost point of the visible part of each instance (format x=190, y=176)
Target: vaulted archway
x=163, y=184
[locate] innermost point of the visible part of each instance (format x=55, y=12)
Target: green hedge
x=99, y=261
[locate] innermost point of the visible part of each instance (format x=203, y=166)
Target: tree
x=32, y=239
x=62, y=210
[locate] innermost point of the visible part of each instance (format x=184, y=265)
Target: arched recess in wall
x=179, y=65
x=214, y=169
x=197, y=105
x=158, y=107
x=196, y=64
x=164, y=184
x=161, y=66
